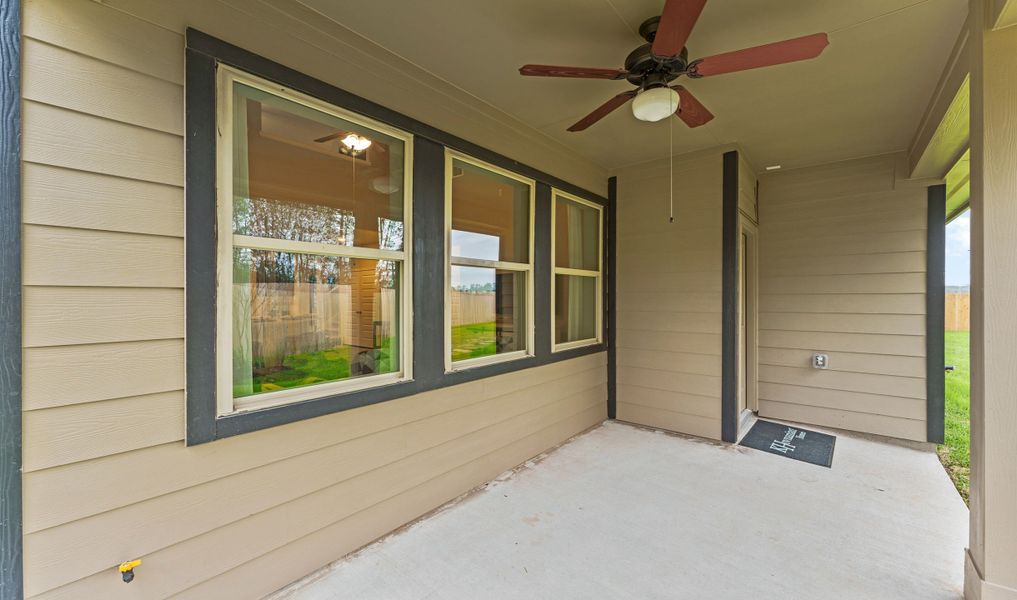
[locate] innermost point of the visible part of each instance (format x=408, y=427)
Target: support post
x=991, y=565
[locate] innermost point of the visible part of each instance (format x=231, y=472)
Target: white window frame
x=450, y=261
x=598, y=274
x=226, y=240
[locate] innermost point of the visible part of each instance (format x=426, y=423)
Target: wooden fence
x=274, y=320
x=958, y=311
x=469, y=308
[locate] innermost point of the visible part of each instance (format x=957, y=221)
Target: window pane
x=291, y=183
x=490, y=215
x=301, y=320
x=575, y=308
x=488, y=312
x=577, y=235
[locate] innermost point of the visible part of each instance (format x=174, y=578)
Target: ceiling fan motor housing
x=644, y=68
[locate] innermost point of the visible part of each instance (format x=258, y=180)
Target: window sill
x=575, y=344
x=312, y=392
x=472, y=363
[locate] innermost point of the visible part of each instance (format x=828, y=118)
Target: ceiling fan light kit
x=655, y=104
x=653, y=66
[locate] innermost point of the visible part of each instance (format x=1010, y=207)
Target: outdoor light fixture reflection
x=355, y=143
x=655, y=104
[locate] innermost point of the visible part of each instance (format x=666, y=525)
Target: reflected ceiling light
x=384, y=185
x=772, y=167
x=356, y=143
x=655, y=104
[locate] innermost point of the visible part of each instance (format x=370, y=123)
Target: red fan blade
x=778, y=53
x=329, y=137
x=690, y=109
x=582, y=72
x=603, y=110
x=676, y=23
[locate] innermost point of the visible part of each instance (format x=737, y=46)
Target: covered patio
x=628, y=512
x=382, y=296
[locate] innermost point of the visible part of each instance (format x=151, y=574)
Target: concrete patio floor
x=625, y=512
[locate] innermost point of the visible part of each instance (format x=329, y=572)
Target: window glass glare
x=575, y=308
x=488, y=309
x=302, y=319
x=577, y=235
x=490, y=215
x=301, y=174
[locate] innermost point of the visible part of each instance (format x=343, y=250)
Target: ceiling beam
x=943, y=133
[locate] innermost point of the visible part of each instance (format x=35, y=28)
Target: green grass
x=473, y=341
x=956, y=451
x=308, y=368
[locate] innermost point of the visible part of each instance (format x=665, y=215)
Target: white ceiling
x=864, y=95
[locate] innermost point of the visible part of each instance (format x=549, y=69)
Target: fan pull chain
x=670, y=166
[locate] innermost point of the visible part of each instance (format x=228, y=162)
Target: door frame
x=748, y=291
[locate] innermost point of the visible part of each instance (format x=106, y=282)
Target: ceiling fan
x=664, y=58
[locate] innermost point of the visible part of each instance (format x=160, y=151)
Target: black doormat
x=792, y=442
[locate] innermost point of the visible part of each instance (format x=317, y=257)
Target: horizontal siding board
x=680, y=402
x=83, y=84
x=857, y=264
x=672, y=381
x=892, y=219
x=91, y=29
x=881, y=283
x=87, y=546
x=665, y=419
x=669, y=320
x=67, y=434
x=56, y=316
x=66, y=375
x=79, y=199
x=691, y=302
x=874, y=304
x=820, y=207
x=692, y=343
x=846, y=323
x=275, y=569
x=59, y=256
x=165, y=469
x=644, y=276
x=63, y=138
x=835, y=180
x=905, y=366
x=863, y=343
x=874, y=404
x=825, y=379
x=908, y=429
x=684, y=362
x=842, y=271
x=830, y=243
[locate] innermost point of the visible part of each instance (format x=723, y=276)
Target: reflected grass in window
x=303, y=319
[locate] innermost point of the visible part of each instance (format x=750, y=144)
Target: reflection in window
x=295, y=178
x=318, y=245
x=300, y=319
x=488, y=312
x=577, y=275
x=489, y=251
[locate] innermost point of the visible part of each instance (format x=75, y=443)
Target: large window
x=489, y=304
x=576, y=284
x=313, y=236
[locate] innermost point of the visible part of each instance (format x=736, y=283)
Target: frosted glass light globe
x=655, y=104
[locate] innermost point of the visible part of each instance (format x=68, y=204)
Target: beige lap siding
x=669, y=295
x=107, y=476
x=842, y=271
